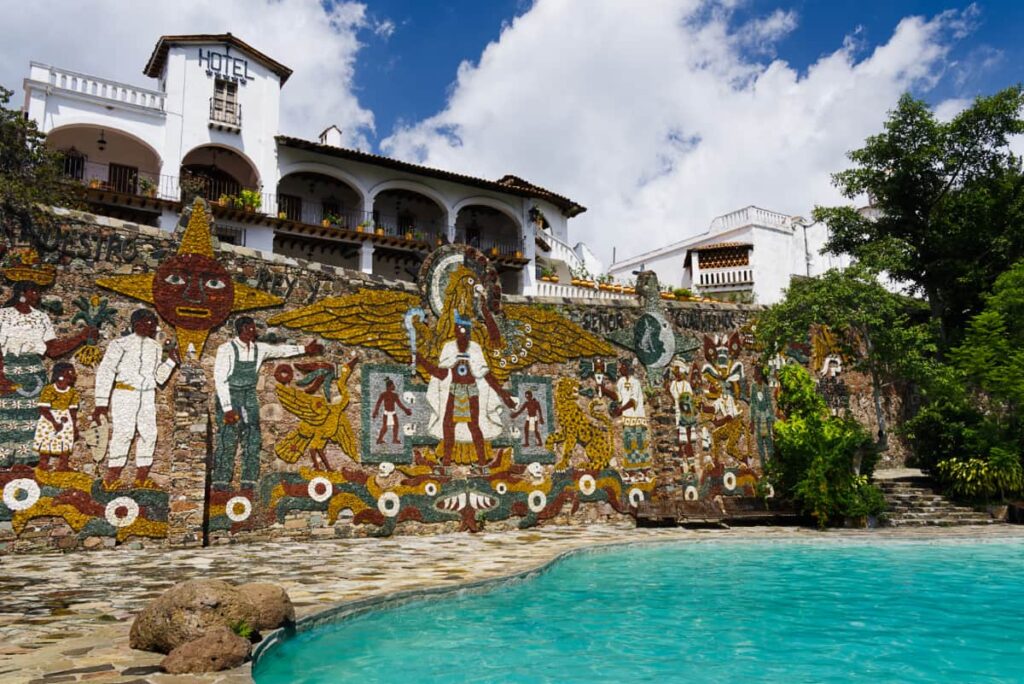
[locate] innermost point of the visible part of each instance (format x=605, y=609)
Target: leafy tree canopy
x=949, y=201
x=30, y=174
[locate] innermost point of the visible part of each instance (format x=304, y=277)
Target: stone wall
x=584, y=408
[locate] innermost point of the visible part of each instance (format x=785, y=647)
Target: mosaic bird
x=396, y=323
x=320, y=421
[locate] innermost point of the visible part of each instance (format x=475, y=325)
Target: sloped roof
x=156, y=60
x=512, y=185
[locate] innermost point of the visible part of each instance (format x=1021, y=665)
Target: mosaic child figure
x=235, y=372
x=534, y=419
x=391, y=401
x=57, y=428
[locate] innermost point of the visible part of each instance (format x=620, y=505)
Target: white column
x=528, y=279
x=366, y=258
x=449, y=224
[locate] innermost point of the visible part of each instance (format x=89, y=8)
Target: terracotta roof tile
x=512, y=185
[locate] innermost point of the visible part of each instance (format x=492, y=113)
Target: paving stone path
x=65, y=618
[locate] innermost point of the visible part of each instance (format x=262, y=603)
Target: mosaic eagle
x=397, y=324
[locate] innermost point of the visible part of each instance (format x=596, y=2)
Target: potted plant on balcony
x=147, y=187
x=548, y=275
x=226, y=200
x=95, y=183
x=364, y=227
x=329, y=220
x=493, y=251
x=282, y=214
x=378, y=230
x=682, y=293
x=666, y=293
x=251, y=200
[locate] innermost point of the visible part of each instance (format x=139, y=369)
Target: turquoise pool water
x=700, y=612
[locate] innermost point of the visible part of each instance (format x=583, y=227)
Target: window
x=224, y=107
x=291, y=206
x=122, y=178
x=74, y=164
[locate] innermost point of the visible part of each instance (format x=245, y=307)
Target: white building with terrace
x=209, y=125
x=747, y=255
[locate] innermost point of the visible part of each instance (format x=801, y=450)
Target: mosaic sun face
x=193, y=291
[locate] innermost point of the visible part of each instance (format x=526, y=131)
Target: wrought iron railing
x=228, y=194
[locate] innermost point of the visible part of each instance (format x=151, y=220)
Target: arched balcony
x=401, y=211
x=491, y=230
x=108, y=159
x=222, y=172
x=309, y=197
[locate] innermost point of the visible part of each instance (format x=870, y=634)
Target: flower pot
x=359, y=229
x=379, y=231
x=494, y=251
x=408, y=236
x=325, y=223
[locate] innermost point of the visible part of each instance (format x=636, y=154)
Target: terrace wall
x=699, y=425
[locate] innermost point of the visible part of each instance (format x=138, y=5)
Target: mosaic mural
x=327, y=401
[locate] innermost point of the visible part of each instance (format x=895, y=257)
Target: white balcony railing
x=549, y=289
x=725, y=277
x=747, y=216
x=98, y=88
x=560, y=251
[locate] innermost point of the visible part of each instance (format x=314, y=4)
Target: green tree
x=817, y=456
x=879, y=331
x=949, y=198
x=31, y=175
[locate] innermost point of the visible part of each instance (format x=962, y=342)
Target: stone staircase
x=913, y=503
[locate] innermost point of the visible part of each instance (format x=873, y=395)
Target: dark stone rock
x=272, y=602
x=187, y=611
x=219, y=649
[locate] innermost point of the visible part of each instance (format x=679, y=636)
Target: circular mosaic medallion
x=320, y=489
x=430, y=489
x=238, y=508
x=388, y=504
x=21, y=494
x=501, y=488
x=636, y=496
x=122, y=511
x=587, y=485
x=537, y=501
x=729, y=480
x=437, y=268
x=691, y=493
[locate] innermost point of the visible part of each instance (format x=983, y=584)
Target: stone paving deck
x=65, y=618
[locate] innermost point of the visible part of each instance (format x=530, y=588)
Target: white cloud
x=114, y=38
x=658, y=120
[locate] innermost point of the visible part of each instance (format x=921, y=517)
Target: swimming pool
x=699, y=612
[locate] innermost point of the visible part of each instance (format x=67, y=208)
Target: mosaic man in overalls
x=235, y=373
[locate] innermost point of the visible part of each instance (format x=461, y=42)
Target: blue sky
x=657, y=115
x=406, y=76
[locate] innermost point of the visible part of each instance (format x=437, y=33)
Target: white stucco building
x=748, y=253
x=211, y=118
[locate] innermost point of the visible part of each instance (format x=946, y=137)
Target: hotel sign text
x=224, y=66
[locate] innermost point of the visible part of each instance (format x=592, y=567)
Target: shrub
x=822, y=463
x=977, y=478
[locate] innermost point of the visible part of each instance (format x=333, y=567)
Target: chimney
x=331, y=136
